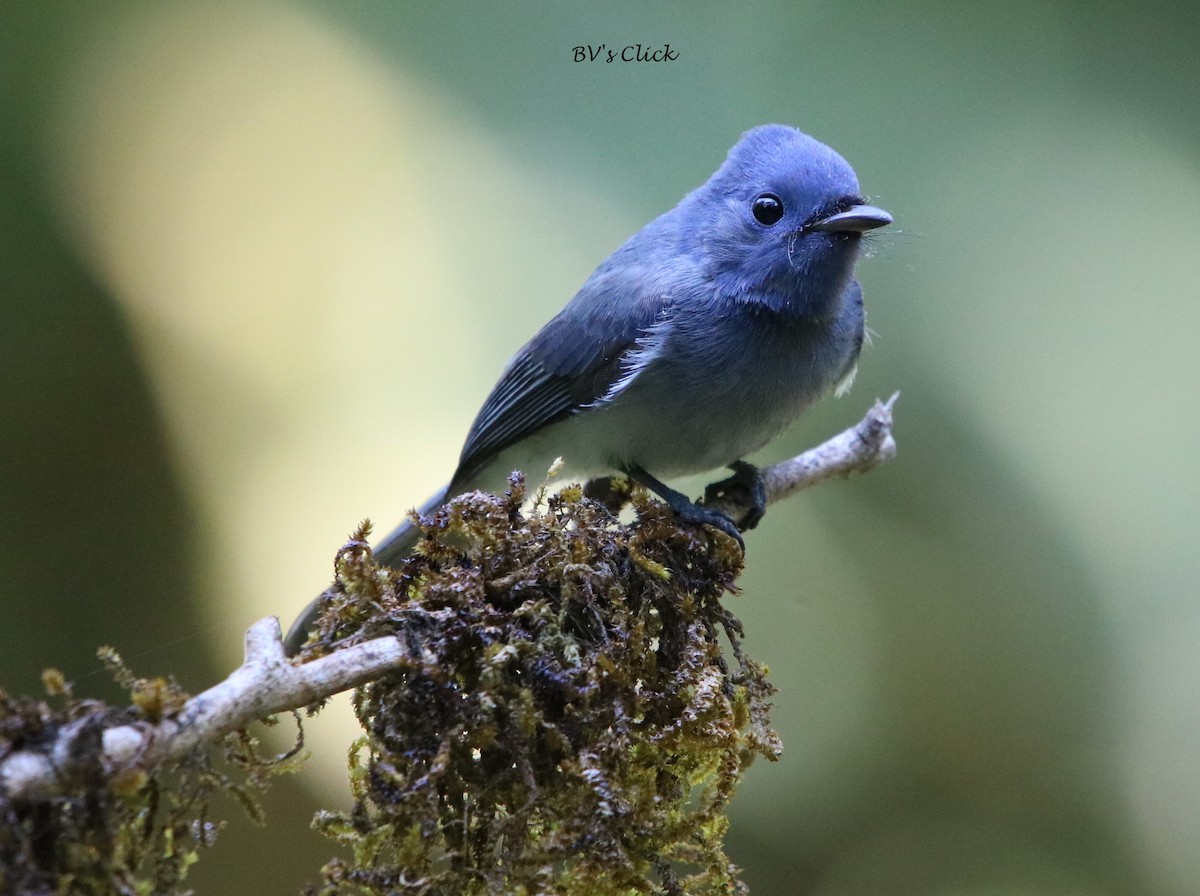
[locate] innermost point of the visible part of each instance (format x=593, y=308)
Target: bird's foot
x=745, y=488
x=686, y=509
x=691, y=512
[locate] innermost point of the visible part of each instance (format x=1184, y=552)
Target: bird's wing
x=571, y=363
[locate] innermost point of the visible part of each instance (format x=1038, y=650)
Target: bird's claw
x=697, y=513
x=685, y=509
x=745, y=488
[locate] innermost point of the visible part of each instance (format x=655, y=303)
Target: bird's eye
x=767, y=208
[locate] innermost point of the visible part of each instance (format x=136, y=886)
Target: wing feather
x=575, y=360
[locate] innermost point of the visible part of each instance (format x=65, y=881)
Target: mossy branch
x=546, y=699
x=266, y=683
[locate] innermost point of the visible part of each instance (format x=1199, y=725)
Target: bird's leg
x=745, y=487
x=686, y=509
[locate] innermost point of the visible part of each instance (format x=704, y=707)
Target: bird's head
x=781, y=222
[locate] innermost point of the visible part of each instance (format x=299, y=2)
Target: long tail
x=393, y=550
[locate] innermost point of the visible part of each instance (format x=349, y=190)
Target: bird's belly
x=702, y=410
x=718, y=399
x=687, y=431
x=668, y=438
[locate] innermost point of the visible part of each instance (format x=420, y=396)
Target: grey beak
x=858, y=219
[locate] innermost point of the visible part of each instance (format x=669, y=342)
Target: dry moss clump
x=575, y=726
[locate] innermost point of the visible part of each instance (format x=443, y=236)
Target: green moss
x=574, y=727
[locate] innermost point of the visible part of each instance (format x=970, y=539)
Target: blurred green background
x=260, y=262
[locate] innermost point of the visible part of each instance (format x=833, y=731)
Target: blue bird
x=691, y=346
